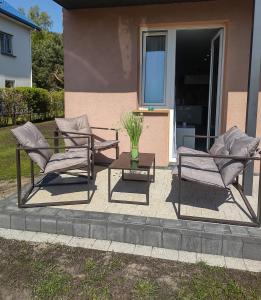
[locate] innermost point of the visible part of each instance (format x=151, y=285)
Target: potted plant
x=133, y=124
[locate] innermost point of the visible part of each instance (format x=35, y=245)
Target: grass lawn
x=40, y=271
x=7, y=156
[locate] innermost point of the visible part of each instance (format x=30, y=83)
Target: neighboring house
x=15, y=47
x=189, y=60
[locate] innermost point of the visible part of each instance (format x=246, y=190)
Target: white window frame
x=144, y=35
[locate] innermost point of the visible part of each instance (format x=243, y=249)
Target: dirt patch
x=8, y=187
x=31, y=271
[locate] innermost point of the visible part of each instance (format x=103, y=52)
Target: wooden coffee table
x=145, y=164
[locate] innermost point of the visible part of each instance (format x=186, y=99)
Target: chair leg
x=179, y=197
x=117, y=151
x=18, y=178
x=32, y=173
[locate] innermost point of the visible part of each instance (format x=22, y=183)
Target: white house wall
x=19, y=67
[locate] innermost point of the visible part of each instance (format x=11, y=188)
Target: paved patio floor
x=198, y=200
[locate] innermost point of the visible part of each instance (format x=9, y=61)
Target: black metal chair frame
x=92, y=137
x=256, y=218
x=22, y=200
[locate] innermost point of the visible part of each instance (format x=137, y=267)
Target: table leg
x=148, y=193
x=109, y=184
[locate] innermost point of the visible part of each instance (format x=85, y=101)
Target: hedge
x=18, y=105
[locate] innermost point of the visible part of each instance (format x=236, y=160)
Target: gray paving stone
x=96, y=216
x=64, y=227
x=135, y=220
x=212, y=245
x=33, y=223
x=252, y=251
x=174, y=224
x=122, y=247
x=153, y=236
x=98, y=230
x=255, y=232
x=153, y=221
x=134, y=234
x=195, y=226
x=5, y=220
x=81, y=229
x=232, y=246
x=48, y=225
x=115, y=232
x=217, y=228
x=18, y=222
x=239, y=230
x=101, y=245
x=171, y=239
x=164, y=253
x=191, y=241
x=212, y=260
x=252, y=265
x=235, y=263
x=116, y=218
x=142, y=250
x=48, y=211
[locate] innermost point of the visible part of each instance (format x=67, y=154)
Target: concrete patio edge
x=200, y=237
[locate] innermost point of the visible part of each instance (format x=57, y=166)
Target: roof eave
x=33, y=26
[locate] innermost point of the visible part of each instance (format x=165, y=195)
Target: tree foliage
x=47, y=52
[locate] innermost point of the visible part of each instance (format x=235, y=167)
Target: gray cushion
x=243, y=145
x=67, y=161
x=199, y=169
x=225, y=140
x=28, y=135
x=77, y=125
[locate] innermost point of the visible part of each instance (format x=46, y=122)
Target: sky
x=53, y=9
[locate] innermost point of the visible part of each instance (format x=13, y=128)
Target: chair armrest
x=20, y=147
x=105, y=128
x=81, y=134
x=109, y=129
x=235, y=157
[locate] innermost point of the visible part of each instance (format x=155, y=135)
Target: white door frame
x=171, y=76
x=219, y=35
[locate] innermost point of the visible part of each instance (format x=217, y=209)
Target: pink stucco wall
x=102, y=62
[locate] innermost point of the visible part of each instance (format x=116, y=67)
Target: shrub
x=24, y=103
x=57, y=103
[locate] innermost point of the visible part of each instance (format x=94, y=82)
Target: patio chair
x=31, y=141
x=73, y=128
x=220, y=167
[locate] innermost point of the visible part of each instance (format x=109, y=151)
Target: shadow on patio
x=197, y=200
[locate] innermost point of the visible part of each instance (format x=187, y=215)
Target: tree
x=42, y=19
x=47, y=52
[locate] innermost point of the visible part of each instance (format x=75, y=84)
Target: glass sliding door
x=214, y=107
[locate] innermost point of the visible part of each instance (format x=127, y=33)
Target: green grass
x=7, y=151
x=146, y=289
x=31, y=271
x=214, y=283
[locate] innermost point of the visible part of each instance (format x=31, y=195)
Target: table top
x=124, y=162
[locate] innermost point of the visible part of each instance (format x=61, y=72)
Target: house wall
x=102, y=62
x=19, y=67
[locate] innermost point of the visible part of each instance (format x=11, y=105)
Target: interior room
x=193, y=85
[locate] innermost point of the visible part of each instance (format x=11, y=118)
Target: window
x=9, y=83
x=154, y=68
x=6, y=43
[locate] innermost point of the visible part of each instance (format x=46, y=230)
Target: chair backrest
x=76, y=125
x=233, y=142
x=28, y=135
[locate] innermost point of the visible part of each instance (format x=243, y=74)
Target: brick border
x=209, y=238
